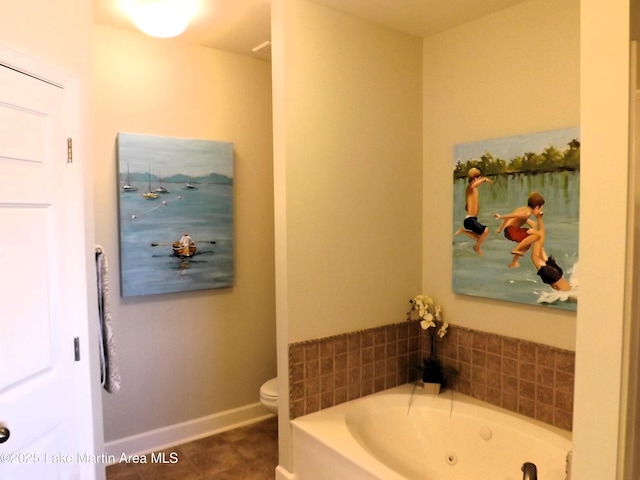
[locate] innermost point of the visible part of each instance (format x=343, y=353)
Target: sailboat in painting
x=149, y=194
x=128, y=187
x=161, y=188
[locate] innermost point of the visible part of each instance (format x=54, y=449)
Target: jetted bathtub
x=407, y=433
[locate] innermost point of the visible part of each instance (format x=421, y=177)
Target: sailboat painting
x=175, y=204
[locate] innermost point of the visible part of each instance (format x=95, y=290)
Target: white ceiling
x=241, y=25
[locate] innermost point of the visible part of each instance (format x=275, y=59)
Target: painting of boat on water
x=175, y=214
x=516, y=218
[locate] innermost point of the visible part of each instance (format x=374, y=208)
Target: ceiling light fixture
x=162, y=18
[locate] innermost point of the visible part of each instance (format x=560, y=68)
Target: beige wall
x=511, y=73
x=189, y=355
x=353, y=166
x=54, y=32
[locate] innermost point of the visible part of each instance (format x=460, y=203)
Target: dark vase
x=431, y=369
x=432, y=372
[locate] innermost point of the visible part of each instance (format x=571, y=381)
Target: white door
x=37, y=248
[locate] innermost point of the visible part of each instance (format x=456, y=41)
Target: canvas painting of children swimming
x=516, y=217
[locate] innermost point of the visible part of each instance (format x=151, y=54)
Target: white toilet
x=269, y=395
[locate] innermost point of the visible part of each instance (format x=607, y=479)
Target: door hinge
x=69, y=150
x=76, y=349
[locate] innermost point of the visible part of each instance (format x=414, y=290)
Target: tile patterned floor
x=246, y=453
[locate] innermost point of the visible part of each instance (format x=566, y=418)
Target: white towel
x=110, y=374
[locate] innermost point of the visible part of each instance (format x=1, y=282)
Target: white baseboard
x=283, y=474
x=179, y=433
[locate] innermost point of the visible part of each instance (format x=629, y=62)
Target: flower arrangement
x=430, y=315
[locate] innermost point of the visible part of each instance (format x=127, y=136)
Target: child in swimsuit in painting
x=471, y=226
x=546, y=266
x=512, y=224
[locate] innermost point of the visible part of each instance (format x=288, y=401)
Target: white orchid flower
x=425, y=300
x=429, y=313
x=425, y=324
x=442, y=331
x=427, y=321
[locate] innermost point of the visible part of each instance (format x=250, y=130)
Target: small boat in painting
x=161, y=188
x=184, y=251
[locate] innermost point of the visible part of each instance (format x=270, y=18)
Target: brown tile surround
x=332, y=370
x=532, y=379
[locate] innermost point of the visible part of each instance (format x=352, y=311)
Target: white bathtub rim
x=329, y=426
x=340, y=441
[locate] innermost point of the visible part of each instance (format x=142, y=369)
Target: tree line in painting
x=549, y=160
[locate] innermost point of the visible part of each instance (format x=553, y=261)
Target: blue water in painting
x=206, y=213
x=488, y=275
